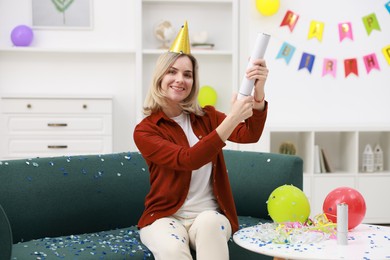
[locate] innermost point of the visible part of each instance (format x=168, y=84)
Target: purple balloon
x=22, y=35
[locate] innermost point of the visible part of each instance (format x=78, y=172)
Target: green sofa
x=86, y=207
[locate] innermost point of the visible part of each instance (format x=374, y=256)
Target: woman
x=190, y=204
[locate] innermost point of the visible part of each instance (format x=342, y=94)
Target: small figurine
x=378, y=158
x=368, y=159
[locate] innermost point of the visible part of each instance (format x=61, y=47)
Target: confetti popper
x=342, y=224
x=257, y=53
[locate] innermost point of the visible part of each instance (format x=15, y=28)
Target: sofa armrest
x=5, y=236
x=254, y=175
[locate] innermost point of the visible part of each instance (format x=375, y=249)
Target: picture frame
x=62, y=14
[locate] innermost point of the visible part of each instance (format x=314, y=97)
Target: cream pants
x=171, y=238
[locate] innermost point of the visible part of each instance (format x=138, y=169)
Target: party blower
x=257, y=53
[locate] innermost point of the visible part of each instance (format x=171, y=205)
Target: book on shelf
x=203, y=46
x=321, y=161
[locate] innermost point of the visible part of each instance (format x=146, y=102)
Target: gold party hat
x=182, y=41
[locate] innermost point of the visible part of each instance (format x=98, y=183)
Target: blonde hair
x=155, y=98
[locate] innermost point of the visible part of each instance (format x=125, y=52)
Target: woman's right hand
x=240, y=110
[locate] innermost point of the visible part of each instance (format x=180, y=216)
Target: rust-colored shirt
x=171, y=160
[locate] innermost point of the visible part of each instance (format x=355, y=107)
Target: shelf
x=344, y=148
x=64, y=50
x=193, y=51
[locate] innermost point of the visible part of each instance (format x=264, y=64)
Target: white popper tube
x=342, y=224
x=257, y=53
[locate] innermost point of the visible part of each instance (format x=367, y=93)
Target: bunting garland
x=286, y=52
x=329, y=65
x=350, y=66
x=307, y=61
x=316, y=30
x=386, y=53
x=371, y=23
x=387, y=5
x=345, y=31
x=290, y=20
x=371, y=62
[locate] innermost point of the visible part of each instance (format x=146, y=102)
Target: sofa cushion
x=115, y=244
x=5, y=236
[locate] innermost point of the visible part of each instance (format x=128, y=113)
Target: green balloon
x=288, y=203
x=207, y=96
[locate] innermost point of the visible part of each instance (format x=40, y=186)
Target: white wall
x=298, y=98
x=110, y=72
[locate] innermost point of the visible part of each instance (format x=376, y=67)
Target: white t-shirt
x=200, y=196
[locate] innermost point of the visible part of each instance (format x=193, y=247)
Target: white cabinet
x=48, y=126
x=343, y=149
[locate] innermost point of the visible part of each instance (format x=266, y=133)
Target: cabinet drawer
x=23, y=148
x=51, y=106
x=59, y=125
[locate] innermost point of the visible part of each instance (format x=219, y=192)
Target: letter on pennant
x=371, y=62
x=386, y=53
x=350, y=66
x=329, y=67
x=316, y=30
x=345, y=31
x=290, y=19
x=307, y=61
x=371, y=23
x=286, y=52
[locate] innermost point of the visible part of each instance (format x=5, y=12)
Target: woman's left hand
x=259, y=73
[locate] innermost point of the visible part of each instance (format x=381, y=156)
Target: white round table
x=364, y=242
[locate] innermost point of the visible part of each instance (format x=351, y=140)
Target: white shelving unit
x=220, y=20
x=343, y=148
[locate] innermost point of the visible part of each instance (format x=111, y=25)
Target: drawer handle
x=29, y=106
x=85, y=106
x=57, y=124
x=57, y=146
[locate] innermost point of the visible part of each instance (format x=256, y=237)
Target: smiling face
x=177, y=84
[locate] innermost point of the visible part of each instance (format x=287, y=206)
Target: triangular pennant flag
x=316, y=30
x=386, y=53
x=286, y=52
x=350, y=66
x=371, y=62
x=329, y=67
x=307, y=61
x=290, y=19
x=345, y=31
x=371, y=23
x=387, y=5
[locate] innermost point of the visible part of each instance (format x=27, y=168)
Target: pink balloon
x=350, y=196
x=22, y=35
